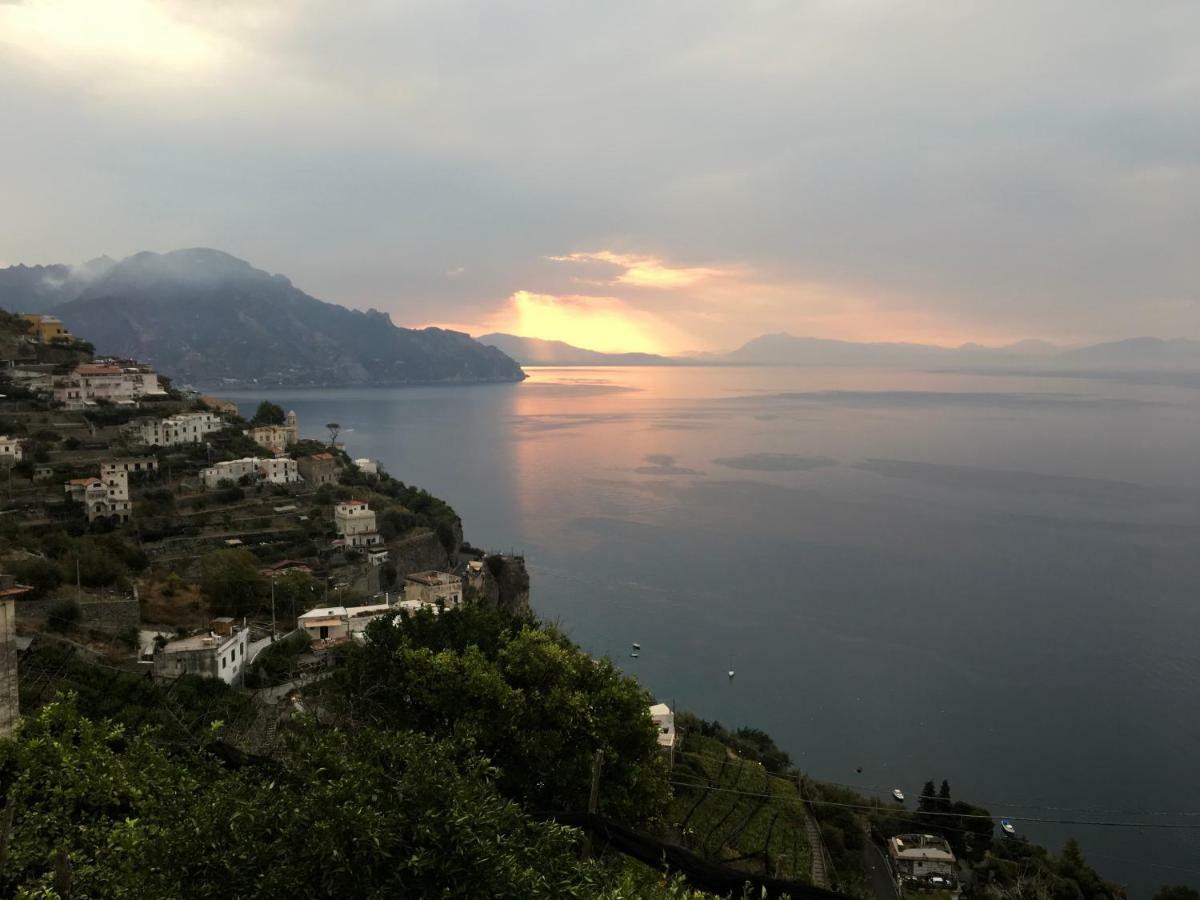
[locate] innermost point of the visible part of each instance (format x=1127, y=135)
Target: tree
x=231, y=583
x=526, y=697
x=369, y=814
x=1176, y=892
x=63, y=615
x=40, y=574
x=268, y=413
x=928, y=799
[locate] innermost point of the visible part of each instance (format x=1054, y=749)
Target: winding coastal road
x=878, y=872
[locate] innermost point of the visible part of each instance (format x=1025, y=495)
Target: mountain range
x=210, y=319
x=537, y=352
x=1143, y=354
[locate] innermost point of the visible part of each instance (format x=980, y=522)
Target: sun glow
x=68, y=34
x=596, y=323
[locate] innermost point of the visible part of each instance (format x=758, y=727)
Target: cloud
x=648, y=271
x=945, y=171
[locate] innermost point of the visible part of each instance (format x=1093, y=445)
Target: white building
x=275, y=470
x=922, y=857
x=208, y=655
x=102, y=497
x=101, y=381
x=355, y=523
x=664, y=721
x=367, y=466
x=432, y=587
x=11, y=450
x=129, y=465
x=336, y=623
x=185, y=428
x=276, y=438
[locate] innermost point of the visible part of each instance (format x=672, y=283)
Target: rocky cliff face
x=506, y=582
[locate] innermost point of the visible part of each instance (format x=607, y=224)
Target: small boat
x=898, y=794
x=633, y=655
x=731, y=674
x=637, y=646
x=1007, y=826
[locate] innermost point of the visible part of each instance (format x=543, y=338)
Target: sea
x=992, y=579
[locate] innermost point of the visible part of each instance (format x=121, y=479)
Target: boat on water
x=731, y=674
x=637, y=646
x=634, y=655
x=898, y=794
x=1007, y=826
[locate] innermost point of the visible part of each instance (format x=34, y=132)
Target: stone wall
x=108, y=614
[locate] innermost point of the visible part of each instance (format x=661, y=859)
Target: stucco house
x=432, y=587
x=209, y=655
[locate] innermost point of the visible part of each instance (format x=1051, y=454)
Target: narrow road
x=879, y=873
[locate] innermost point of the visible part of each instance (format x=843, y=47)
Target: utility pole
x=272, y=608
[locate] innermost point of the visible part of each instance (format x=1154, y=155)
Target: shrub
x=63, y=615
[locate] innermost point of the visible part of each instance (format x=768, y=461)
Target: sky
x=656, y=176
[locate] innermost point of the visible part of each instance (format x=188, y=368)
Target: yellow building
x=47, y=328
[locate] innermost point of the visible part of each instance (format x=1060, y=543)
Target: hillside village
x=166, y=561
x=161, y=532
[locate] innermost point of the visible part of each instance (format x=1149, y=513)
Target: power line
x=1035, y=819
x=1023, y=804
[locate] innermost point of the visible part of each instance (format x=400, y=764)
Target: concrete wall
x=9, y=709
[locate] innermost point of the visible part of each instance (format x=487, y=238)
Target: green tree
x=268, y=413
x=231, y=583
x=1176, y=892
x=40, y=574
x=524, y=696
x=373, y=814
x=63, y=615
x=928, y=799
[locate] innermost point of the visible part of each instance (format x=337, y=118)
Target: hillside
x=537, y=352
x=208, y=318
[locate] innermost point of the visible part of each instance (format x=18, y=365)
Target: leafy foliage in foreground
x=370, y=814
x=525, y=697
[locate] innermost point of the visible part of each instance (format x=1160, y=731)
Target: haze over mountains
x=1143, y=354
x=208, y=318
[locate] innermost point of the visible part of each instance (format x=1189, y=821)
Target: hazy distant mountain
x=38, y=289
x=538, y=352
x=208, y=318
x=1136, y=354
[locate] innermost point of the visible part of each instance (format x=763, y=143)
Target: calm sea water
x=993, y=580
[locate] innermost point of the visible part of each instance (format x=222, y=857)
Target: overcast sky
x=633, y=175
